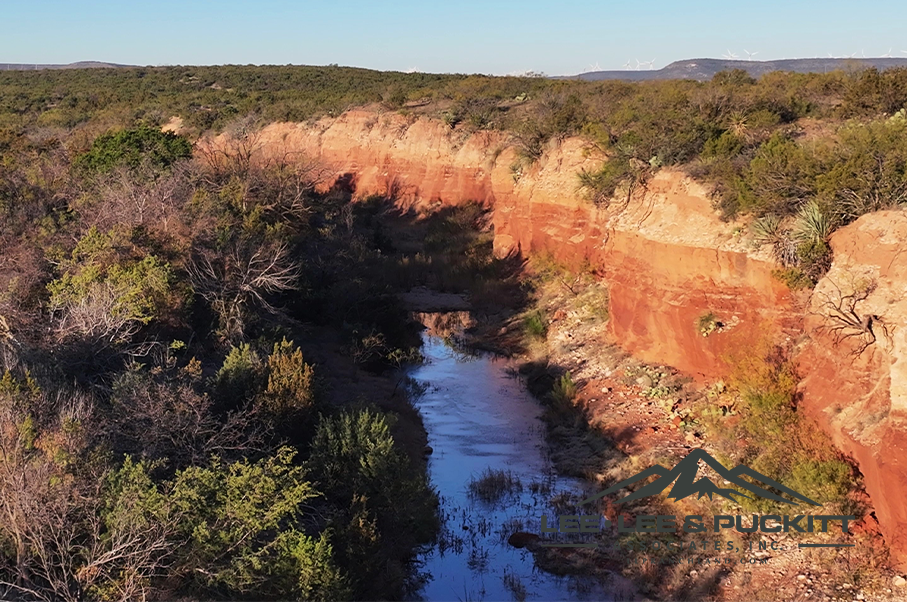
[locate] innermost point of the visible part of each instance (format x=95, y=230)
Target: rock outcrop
x=854, y=365
x=668, y=259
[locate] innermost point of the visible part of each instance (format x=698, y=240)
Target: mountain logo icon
x=684, y=474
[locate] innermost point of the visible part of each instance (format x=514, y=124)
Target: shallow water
x=479, y=417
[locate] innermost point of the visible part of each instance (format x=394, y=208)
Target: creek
x=480, y=417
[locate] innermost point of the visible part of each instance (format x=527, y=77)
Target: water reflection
x=479, y=418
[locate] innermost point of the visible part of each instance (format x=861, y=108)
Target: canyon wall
x=668, y=259
x=669, y=262
x=855, y=361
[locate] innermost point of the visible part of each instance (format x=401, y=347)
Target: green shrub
x=241, y=523
x=105, y=296
x=354, y=453
x=389, y=507
x=780, y=176
x=707, y=323
x=132, y=147
x=726, y=145
x=766, y=432
x=535, y=325
x=829, y=481
x=240, y=378
x=563, y=392
x=291, y=381
x=794, y=278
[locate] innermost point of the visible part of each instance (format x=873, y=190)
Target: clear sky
x=464, y=36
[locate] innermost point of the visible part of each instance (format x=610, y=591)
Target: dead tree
x=844, y=321
x=244, y=276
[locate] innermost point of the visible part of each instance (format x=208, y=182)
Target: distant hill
x=79, y=65
x=704, y=69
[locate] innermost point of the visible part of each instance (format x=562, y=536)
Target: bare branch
x=243, y=276
x=844, y=321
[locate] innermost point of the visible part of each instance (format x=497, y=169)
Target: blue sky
x=472, y=36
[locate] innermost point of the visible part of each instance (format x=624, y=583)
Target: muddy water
x=479, y=417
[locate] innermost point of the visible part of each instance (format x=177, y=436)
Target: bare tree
x=278, y=180
x=236, y=152
x=241, y=277
x=140, y=197
x=97, y=316
x=844, y=320
x=157, y=420
x=39, y=499
x=69, y=532
x=124, y=547
x=9, y=346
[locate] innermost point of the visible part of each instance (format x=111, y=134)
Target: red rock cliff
x=667, y=258
x=855, y=362
x=668, y=261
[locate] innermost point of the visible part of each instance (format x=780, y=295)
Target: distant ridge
x=705, y=69
x=696, y=69
x=79, y=65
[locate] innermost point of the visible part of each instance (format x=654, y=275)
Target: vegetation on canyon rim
x=162, y=424
x=785, y=148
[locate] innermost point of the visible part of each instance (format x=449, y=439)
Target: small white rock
x=899, y=581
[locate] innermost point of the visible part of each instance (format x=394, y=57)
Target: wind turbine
x=595, y=67
x=651, y=64
x=888, y=54
x=627, y=65
x=750, y=55
x=729, y=55
x=637, y=64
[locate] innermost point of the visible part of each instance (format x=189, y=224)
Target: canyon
x=669, y=263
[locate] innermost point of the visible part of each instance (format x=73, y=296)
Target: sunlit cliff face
x=668, y=260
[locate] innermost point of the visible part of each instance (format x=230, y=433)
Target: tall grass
x=494, y=484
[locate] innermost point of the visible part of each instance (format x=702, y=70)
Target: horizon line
x=32, y=66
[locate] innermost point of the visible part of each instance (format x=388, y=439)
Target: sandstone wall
x=667, y=257
x=668, y=260
x=860, y=395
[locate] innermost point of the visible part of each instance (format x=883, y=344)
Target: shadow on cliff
x=447, y=248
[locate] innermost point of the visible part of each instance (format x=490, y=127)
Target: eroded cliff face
x=854, y=364
x=667, y=257
x=419, y=161
x=668, y=261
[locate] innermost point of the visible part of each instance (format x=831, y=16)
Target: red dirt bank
x=667, y=258
x=861, y=398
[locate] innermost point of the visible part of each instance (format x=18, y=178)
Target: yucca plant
x=813, y=225
x=767, y=230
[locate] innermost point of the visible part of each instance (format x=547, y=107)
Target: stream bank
x=483, y=423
